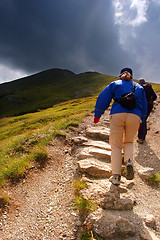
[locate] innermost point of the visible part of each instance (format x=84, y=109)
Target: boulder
x=108, y=225
x=108, y=196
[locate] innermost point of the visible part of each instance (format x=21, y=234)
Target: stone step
x=108, y=196
x=110, y=226
x=97, y=144
x=81, y=140
x=95, y=168
x=98, y=132
x=90, y=152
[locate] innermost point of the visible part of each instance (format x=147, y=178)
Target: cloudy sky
x=80, y=35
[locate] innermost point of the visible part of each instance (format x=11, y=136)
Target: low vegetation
x=155, y=177
x=84, y=206
x=23, y=138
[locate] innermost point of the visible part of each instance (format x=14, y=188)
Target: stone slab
x=95, y=168
x=95, y=152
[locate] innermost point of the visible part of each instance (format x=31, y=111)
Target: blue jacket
x=115, y=90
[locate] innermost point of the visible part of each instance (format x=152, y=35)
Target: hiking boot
x=139, y=140
x=115, y=179
x=129, y=170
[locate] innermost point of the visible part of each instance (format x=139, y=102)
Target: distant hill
x=47, y=88
x=50, y=87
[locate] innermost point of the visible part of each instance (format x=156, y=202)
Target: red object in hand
x=139, y=127
x=96, y=120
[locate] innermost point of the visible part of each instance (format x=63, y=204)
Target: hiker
x=124, y=122
x=151, y=97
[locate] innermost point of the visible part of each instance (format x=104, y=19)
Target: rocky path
x=41, y=204
x=125, y=212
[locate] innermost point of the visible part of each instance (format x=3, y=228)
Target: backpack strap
x=134, y=87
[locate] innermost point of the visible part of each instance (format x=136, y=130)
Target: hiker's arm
x=103, y=101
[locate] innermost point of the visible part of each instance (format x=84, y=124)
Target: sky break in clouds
x=85, y=35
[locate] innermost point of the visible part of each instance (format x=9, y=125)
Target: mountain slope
x=47, y=88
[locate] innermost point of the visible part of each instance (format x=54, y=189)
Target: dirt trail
x=41, y=203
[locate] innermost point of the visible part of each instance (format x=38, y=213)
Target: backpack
x=150, y=94
x=128, y=100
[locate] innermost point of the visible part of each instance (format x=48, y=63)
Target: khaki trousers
x=123, y=128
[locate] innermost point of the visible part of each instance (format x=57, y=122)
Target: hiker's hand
x=139, y=127
x=96, y=120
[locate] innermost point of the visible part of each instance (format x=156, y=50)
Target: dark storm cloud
x=148, y=45
x=76, y=34
x=142, y=42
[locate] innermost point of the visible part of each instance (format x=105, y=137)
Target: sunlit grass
x=23, y=138
x=83, y=205
x=155, y=177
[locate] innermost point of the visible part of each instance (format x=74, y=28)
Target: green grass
x=78, y=186
x=84, y=207
x=155, y=177
x=88, y=234
x=23, y=138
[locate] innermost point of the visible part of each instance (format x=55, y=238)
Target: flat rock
x=108, y=225
x=97, y=144
x=95, y=168
x=95, y=152
x=98, y=132
x=79, y=139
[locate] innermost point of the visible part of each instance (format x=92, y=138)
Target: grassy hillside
x=23, y=138
x=48, y=88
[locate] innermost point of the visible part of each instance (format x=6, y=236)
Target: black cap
x=141, y=81
x=129, y=70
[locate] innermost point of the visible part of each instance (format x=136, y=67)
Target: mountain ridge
x=47, y=88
